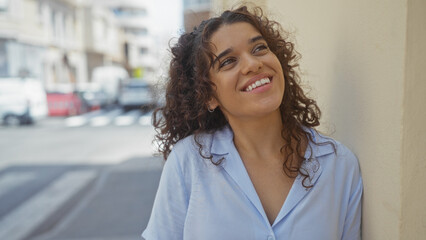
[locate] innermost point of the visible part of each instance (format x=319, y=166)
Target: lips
x=257, y=84
x=256, y=81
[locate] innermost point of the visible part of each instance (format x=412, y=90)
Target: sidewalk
x=117, y=206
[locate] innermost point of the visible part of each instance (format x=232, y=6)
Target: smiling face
x=248, y=76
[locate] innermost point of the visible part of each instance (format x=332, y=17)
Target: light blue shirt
x=197, y=200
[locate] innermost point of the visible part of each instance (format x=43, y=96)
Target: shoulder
x=186, y=153
x=204, y=145
x=193, y=145
x=337, y=160
x=334, y=152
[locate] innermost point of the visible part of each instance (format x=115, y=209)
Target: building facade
x=53, y=40
x=60, y=42
x=139, y=47
x=22, y=39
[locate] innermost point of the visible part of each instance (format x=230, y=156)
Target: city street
x=96, y=68
x=87, y=177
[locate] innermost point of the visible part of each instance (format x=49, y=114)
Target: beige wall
x=413, y=160
x=363, y=60
x=219, y=5
x=353, y=57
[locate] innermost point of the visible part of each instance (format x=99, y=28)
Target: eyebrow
x=228, y=50
x=257, y=38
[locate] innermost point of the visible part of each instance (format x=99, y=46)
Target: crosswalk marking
x=115, y=117
x=77, y=121
x=9, y=181
x=104, y=120
x=28, y=216
x=145, y=120
x=128, y=119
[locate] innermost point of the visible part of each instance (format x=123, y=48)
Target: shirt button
x=270, y=237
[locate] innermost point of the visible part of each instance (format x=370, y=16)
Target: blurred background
x=79, y=80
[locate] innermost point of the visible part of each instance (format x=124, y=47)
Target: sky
x=168, y=14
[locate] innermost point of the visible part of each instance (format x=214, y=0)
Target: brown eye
x=260, y=47
x=226, y=62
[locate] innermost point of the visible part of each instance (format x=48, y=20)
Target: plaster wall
x=353, y=55
x=219, y=5
x=413, y=160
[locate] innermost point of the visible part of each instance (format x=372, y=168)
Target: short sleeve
x=170, y=204
x=352, y=225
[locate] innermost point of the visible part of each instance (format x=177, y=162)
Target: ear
x=213, y=103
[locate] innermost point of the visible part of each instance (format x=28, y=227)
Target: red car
x=64, y=104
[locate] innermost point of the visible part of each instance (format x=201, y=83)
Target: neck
x=259, y=139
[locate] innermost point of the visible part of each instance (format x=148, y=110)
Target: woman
x=243, y=159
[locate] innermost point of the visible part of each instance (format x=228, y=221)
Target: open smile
x=257, y=84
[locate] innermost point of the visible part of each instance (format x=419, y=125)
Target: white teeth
x=258, y=83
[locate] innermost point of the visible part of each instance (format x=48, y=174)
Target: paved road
x=61, y=182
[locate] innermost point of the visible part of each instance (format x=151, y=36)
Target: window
x=4, y=4
x=143, y=50
x=196, y=4
x=137, y=31
x=129, y=12
x=3, y=59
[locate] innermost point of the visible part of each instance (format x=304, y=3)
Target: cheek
x=278, y=65
x=226, y=83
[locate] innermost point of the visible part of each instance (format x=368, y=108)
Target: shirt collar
x=222, y=140
x=320, y=145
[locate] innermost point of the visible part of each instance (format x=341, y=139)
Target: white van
x=22, y=101
x=109, y=79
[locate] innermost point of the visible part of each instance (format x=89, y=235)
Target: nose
x=250, y=63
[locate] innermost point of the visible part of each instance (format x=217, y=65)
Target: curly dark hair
x=189, y=89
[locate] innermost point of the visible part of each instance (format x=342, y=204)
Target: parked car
x=64, y=104
x=92, y=96
x=136, y=93
x=22, y=101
